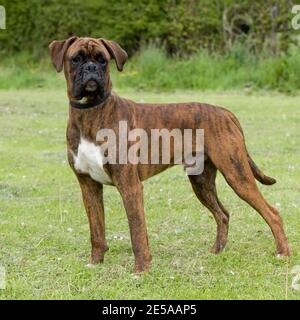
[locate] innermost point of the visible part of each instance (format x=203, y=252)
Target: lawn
x=44, y=232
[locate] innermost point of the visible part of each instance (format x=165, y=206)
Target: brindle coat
x=224, y=148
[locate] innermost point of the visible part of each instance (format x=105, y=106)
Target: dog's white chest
x=89, y=160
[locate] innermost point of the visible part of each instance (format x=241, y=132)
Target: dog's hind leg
x=233, y=163
x=205, y=189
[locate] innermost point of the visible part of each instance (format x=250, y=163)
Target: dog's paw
x=284, y=253
x=97, y=256
x=90, y=265
x=281, y=256
x=217, y=248
x=142, y=267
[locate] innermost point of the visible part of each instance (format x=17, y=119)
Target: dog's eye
x=76, y=60
x=101, y=60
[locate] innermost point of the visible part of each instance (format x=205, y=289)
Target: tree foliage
x=181, y=26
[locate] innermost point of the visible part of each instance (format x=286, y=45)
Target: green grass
x=238, y=69
x=152, y=70
x=44, y=232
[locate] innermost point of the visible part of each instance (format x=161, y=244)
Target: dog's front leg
x=92, y=195
x=131, y=190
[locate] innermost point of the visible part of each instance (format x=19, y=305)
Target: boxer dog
x=93, y=106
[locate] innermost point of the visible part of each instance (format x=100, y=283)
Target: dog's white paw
x=90, y=265
x=281, y=256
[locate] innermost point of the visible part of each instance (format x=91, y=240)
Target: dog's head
x=86, y=64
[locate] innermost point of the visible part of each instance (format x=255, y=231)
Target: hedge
x=181, y=26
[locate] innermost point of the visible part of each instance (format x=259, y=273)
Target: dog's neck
x=87, y=102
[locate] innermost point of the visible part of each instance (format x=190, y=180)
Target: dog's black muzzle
x=90, y=76
x=88, y=80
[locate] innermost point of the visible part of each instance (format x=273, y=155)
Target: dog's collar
x=82, y=104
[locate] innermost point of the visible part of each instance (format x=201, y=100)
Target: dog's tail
x=258, y=174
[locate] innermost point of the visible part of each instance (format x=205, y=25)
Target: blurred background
x=172, y=44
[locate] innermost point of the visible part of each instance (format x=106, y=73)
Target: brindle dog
x=93, y=106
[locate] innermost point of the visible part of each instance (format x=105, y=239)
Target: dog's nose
x=91, y=67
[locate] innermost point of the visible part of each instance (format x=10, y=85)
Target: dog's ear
x=57, y=51
x=116, y=52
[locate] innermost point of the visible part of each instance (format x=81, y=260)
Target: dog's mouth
x=91, y=86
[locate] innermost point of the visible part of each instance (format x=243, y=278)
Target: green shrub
x=152, y=69
x=181, y=26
